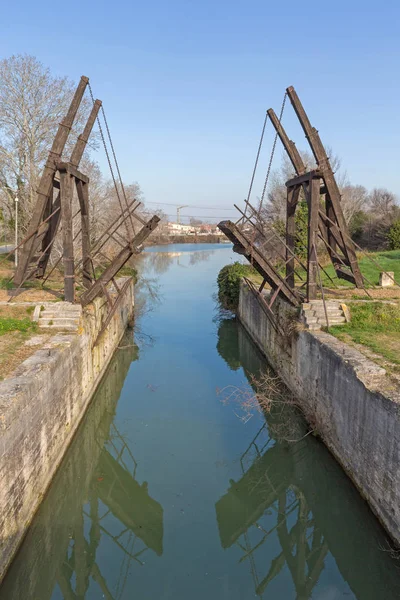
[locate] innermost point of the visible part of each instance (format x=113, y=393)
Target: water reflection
x=95, y=496
x=295, y=497
x=159, y=261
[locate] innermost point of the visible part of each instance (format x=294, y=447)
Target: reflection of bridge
x=130, y=502
x=95, y=496
x=299, y=496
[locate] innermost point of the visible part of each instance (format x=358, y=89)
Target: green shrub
x=394, y=236
x=228, y=281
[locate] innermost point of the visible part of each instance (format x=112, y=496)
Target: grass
x=375, y=325
x=8, y=324
x=388, y=261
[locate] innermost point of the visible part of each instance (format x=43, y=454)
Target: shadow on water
x=313, y=509
x=94, y=495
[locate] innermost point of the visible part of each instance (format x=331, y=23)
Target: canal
x=172, y=491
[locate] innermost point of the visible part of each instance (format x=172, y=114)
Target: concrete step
x=59, y=323
x=49, y=314
x=330, y=311
x=314, y=327
x=336, y=320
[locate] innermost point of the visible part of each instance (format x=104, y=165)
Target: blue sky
x=185, y=85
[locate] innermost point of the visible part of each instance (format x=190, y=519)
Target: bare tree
x=354, y=199
x=32, y=104
x=383, y=204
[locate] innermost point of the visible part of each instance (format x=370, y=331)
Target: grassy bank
x=375, y=325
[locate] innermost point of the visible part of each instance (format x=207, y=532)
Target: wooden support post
x=66, y=183
x=119, y=261
x=288, y=144
x=75, y=159
x=312, y=259
x=257, y=259
x=82, y=140
x=83, y=196
x=46, y=183
x=330, y=183
x=291, y=204
x=331, y=215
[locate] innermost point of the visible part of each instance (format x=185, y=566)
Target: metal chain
x=272, y=155
x=256, y=163
x=109, y=162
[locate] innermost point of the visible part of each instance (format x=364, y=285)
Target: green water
x=171, y=491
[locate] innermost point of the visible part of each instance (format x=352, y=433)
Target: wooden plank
x=288, y=144
x=46, y=182
x=113, y=308
x=330, y=182
x=253, y=255
x=49, y=237
x=66, y=182
x=303, y=178
x=83, y=197
x=64, y=166
x=82, y=140
x=312, y=262
x=76, y=158
x=293, y=194
x=119, y=261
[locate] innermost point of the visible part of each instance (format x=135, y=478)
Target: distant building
x=180, y=229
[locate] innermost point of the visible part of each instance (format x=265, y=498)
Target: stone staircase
x=313, y=314
x=62, y=316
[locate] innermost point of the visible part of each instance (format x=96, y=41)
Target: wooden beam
x=330, y=182
x=293, y=194
x=254, y=256
x=68, y=242
x=82, y=140
x=312, y=259
x=305, y=178
x=83, y=197
x=119, y=261
x=49, y=236
x=64, y=166
x=46, y=182
x=75, y=159
x=288, y=144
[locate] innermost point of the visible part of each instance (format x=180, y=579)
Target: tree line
x=373, y=217
x=33, y=102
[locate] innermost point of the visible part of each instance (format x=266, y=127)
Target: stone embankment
x=42, y=404
x=350, y=401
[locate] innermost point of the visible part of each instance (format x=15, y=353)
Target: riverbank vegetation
x=375, y=325
x=228, y=281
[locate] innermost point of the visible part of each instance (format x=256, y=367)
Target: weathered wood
x=330, y=183
x=293, y=194
x=49, y=238
x=82, y=140
x=313, y=209
x=113, y=308
x=119, y=261
x=83, y=197
x=303, y=178
x=288, y=144
x=46, y=182
x=64, y=166
x=66, y=182
x=254, y=256
x=75, y=159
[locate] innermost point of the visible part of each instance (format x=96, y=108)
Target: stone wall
x=350, y=401
x=41, y=406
